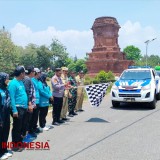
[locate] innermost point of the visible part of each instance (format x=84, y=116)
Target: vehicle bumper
x=143, y=96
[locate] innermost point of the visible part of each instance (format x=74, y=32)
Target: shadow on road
x=99, y=120
x=132, y=106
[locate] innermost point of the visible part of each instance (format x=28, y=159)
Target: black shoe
x=74, y=113
x=17, y=149
x=37, y=130
x=55, y=123
x=81, y=110
x=65, y=119
x=61, y=121
x=70, y=115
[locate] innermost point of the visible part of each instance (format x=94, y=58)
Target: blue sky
x=34, y=20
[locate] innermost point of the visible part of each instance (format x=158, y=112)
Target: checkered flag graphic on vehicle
x=96, y=93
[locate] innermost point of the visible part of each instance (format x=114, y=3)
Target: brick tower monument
x=106, y=54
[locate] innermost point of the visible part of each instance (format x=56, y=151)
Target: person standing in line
x=58, y=93
x=72, y=100
x=33, y=128
x=45, y=95
x=80, y=91
x=4, y=115
x=19, y=105
x=64, y=77
x=29, y=70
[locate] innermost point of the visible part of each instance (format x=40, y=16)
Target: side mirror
x=116, y=78
x=157, y=77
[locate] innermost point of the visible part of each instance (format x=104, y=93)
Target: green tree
x=132, y=53
x=44, y=56
x=152, y=61
x=79, y=65
x=8, y=57
x=59, y=53
x=29, y=55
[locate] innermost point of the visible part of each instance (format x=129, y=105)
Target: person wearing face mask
x=4, y=115
x=19, y=105
x=45, y=96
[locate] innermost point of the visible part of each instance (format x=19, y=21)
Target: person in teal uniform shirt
x=45, y=95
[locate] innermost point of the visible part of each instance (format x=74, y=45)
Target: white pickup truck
x=136, y=85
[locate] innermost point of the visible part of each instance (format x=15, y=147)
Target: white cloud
x=80, y=42
x=77, y=42
x=134, y=34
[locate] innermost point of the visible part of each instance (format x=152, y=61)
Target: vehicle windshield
x=135, y=75
x=158, y=73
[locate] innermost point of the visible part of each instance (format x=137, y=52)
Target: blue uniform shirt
x=17, y=94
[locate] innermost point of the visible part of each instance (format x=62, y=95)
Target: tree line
x=53, y=56
x=134, y=53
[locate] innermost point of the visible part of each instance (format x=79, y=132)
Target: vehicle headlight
x=114, y=87
x=146, y=87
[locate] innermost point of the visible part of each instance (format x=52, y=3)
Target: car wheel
x=115, y=104
x=158, y=96
x=152, y=105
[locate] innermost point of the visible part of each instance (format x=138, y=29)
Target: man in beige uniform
x=64, y=78
x=80, y=91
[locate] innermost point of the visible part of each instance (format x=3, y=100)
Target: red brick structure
x=106, y=54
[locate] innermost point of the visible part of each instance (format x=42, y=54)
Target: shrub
x=102, y=77
x=87, y=78
x=87, y=82
x=110, y=76
x=96, y=81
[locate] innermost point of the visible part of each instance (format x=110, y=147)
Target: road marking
x=110, y=135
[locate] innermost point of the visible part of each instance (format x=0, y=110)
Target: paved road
x=127, y=133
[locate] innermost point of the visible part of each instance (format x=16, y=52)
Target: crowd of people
x=27, y=98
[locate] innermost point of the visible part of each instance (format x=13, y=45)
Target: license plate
x=129, y=99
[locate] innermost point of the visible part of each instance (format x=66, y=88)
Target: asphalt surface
x=130, y=132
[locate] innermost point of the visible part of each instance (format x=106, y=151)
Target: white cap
x=37, y=70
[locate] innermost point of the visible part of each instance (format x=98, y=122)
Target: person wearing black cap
x=58, y=93
x=29, y=70
x=72, y=100
x=4, y=115
x=19, y=105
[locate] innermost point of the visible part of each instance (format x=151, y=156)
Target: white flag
x=96, y=93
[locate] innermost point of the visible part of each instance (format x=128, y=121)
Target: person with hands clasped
x=64, y=78
x=58, y=92
x=19, y=105
x=4, y=115
x=33, y=127
x=45, y=96
x=29, y=70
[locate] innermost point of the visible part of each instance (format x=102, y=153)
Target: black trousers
x=57, y=107
x=43, y=111
x=19, y=125
x=27, y=122
x=34, y=119
x=4, y=129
